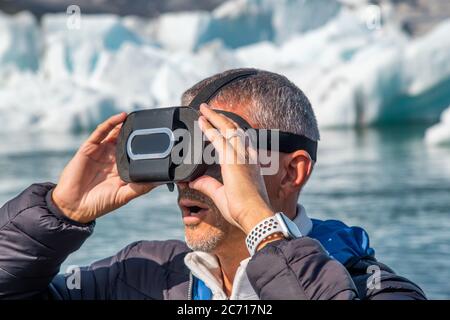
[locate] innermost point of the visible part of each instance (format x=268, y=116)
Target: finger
x=112, y=136
x=229, y=129
x=252, y=155
x=102, y=131
x=213, y=189
x=227, y=154
x=231, y=151
x=246, y=148
x=133, y=190
x=241, y=143
x=217, y=140
x=218, y=120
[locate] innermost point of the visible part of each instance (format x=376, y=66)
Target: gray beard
x=207, y=244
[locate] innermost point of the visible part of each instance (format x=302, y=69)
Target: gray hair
x=273, y=102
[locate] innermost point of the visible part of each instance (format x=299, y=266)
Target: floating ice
x=36, y=104
x=439, y=134
x=53, y=78
x=357, y=77
x=348, y=72
x=132, y=69
x=19, y=42
x=427, y=60
x=75, y=52
x=181, y=30
x=239, y=22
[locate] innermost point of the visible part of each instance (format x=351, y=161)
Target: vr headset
x=155, y=144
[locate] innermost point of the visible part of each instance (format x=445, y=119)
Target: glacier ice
x=56, y=79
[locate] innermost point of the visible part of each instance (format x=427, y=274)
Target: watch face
x=291, y=227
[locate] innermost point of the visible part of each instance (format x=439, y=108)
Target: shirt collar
x=302, y=221
x=205, y=266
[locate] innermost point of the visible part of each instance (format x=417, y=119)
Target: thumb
x=131, y=191
x=213, y=189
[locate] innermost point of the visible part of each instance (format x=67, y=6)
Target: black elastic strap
x=290, y=142
x=208, y=92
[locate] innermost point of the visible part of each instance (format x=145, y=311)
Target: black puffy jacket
x=35, y=238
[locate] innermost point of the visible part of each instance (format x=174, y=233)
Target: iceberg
x=425, y=79
x=132, y=69
x=240, y=22
x=181, y=30
x=36, y=104
x=439, y=134
x=19, y=42
x=53, y=78
x=348, y=72
x=75, y=52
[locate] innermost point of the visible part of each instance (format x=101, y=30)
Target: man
x=45, y=223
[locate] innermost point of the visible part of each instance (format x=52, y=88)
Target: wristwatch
x=267, y=227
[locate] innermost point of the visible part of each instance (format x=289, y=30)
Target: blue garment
x=342, y=242
x=200, y=291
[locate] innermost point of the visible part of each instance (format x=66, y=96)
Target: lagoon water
x=385, y=180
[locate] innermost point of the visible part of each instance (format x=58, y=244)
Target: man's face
x=205, y=227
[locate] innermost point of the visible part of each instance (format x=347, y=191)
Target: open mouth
x=192, y=208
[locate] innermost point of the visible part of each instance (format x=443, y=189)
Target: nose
x=182, y=185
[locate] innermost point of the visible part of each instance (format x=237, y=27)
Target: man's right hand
x=90, y=185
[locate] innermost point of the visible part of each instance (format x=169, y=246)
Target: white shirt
x=205, y=266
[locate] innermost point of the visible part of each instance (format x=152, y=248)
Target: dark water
x=385, y=180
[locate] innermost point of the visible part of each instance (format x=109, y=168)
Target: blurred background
x=376, y=72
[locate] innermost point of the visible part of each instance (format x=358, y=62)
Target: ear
x=297, y=170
